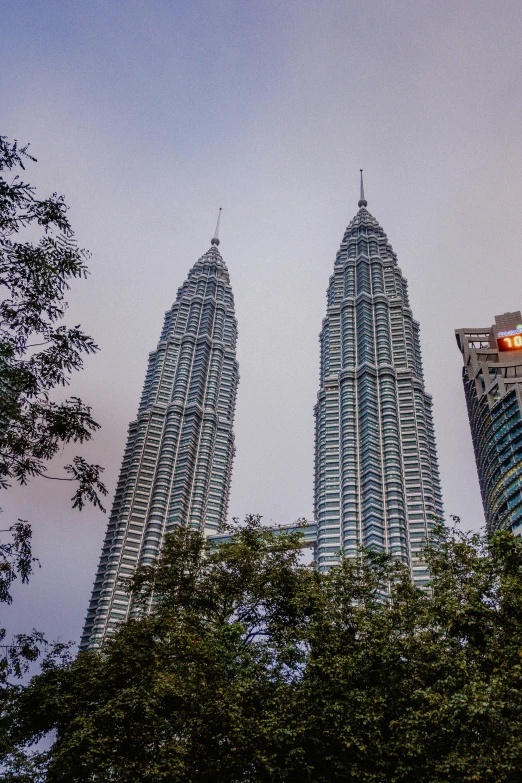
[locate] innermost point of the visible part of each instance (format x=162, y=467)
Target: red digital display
x=511, y=343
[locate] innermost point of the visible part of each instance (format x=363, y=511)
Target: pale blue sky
x=148, y=116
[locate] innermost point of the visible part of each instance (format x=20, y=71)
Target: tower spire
x=362, y=200
x=215, y=239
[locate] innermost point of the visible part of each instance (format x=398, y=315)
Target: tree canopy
x=252, y=666
x=39, y=258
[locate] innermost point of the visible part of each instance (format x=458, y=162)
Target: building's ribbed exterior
x=376, y=475
x=178, y=460
x=492, y=376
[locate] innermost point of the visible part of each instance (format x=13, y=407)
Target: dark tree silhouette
x=38, y=354
x=255, y=667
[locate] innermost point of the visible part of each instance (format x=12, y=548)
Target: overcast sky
x=149, y=116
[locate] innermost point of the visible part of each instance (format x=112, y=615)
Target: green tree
x=252, y=666
x=38, y=354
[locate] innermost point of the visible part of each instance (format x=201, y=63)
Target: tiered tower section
x=376, y=476
x=178, y=461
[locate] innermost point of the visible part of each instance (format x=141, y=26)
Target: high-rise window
x=492, y=377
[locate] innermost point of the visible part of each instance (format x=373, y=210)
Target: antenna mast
x=215, y=239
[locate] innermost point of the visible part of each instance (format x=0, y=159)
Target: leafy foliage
x=34, y=279
x=16, y=558
x=252, y=666
x=38, y=353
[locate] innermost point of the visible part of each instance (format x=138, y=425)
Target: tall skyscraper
x=492, y=377
x=376, y=475
x=178, y=460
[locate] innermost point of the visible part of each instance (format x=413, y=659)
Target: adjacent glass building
x=376, y=476
x=178, y=460
x=492, y=376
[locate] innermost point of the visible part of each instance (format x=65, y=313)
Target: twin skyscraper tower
x=376, y=476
